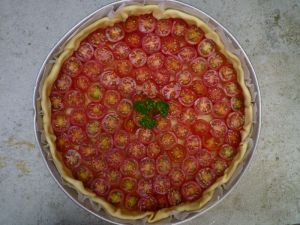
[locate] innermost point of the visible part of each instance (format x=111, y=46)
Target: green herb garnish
x=149, y=108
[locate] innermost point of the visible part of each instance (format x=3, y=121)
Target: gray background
x=269, y=31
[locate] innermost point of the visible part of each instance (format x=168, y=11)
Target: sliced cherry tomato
x=231, y=89
x=104, y=142
x=92, y=69
x=138, y=57
x=203, y=106
x=187, y=97
x=100, y=186
x=227, y=152
x=150, y=89
x=121, y=139
x=173, y=64
x=109, y=79
x=167, y=140
x=188, y=116
x=93, y=128
x=85, y=52
x=78, y=117
x=161, y=77
x=74, y=98
x=116, y=197
x=187, y=54
x=216, y=61
x=82, y=83
x=151, y=43
x=97, y=38
x=136, y=118
x=177, y=177
x=76, y=135
x=124, y=108
x=133, y=40
x=111, y=122
x=219, y=166
x=71, y=158
x=162, y=201
x=179, y=27
x=83, y=173
x=206, y=48
x=205, y=177
x=142, y=74
x=88, y=151
x=177, y=153
x=147, y=167
x=131, y=202
x=175, y=109
x=156, y=61
x=123, y=67
x=121, y=50
x=115, y=158
x=212, y=143
x=205, y=158
x=136, y=150
x=218, y=128
x=114, y=177
x=181, y=130
x=145, y=187
x=227, y=73
x=104, y=55
x=98, y=164
x=190, y=165
x=193, y=35
x=127, y=86
x=171, y=90
x=62, y=142
x=235, y=120
x=129, y=167
x=237, y=103
x=153, y=150
x=147, y=203
x=170, y=45
x=128, y=184
x=145, y=135
x=63, y=83
x=221, y=109
x=201, y=127
x=95, y=92
x=193, y=144
x=114, y=33
x=72, y=67
x=161, y=184
x=216, y=94
x=184, y=77
x=174, y=197
x=129, y=125
x=146, y=23
x=95, y=110
x=211, y=78
x=163, y=27
x=56, y=101
x=199, y=88
x=198, y=66
x=131, y=24
x=111, y=98
x=60, y=122
x=190, y=190
x=163, y=164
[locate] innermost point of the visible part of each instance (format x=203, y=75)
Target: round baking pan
x=230, y=42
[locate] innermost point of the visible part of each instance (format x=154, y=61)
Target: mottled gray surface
x=269, y=31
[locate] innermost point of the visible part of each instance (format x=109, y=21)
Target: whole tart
x=108, y=149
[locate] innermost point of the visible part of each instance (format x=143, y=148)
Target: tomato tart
x=146, y=113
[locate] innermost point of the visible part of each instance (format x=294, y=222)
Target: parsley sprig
x=149, y=108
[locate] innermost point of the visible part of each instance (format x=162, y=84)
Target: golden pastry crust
x=121, y=15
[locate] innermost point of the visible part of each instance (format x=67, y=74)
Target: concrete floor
x=269, y=31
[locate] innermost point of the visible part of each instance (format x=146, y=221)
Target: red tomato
x=201, y=127
x=127, y=86
x=173, y=64
x=128, y=184
x=205, y=177
x=227, y=152
x=74, y=98
x=147, y=167
x=121, y=50
x=83, y=173
x=71, y=158
x=193, y=144
x=227, y=73
x=187, y=97
x=161, y=184
x=151, y=43
x=88, y=151
x=133, y=40
x=95, y=92
x=63, y=83
x=153, y=150
x=193, y=35
x=104, y=142
x=109, y=79
x=116, y=197
x=162, y=201
x=177, y=153
x=121, y=139
x=111, y=122
x=92, y=69
x=129, y=125
x=145, y=135
x=163, y=27
x=219, y=166
x=205, y=158
x=231, y=89
x=237, y=103
x=206, y=48
x=138, y=57
x=156, y=61
x=129, y=167
x=82, y=83
x=97, y=38
x=221, y=109
x=198, y=66
x=56, y=101
x=136, y=150
x=203, y=106
x=184, y=77
x=216, y=94
x=85, y=52
x=146, y=23
x=190, y=191
x=161, y=77
x=115, y=158
x=216, y=61
x=114, y=177
x=163, y=164
x=212, y=143
x=181, y=131
x=62, y=142
x=167, y=140
x=60, y=122
x=171, y=91
x=78, y=117
x=100, y=186
x=190, y=165
x=142, y=74
x=177, y=177
x=179, y=27
x=95, y=110
x=211, y=78
x=175, y=109
x=114, y=33
x=104, y=55
x=235, y=120
x=98, y=164
x=136, y=118
x=147, y=203
x=76, y=135
x=111, y=98
x=93, y=128
x=131, y=24
x=72, y=67
x=150, y=89
x=170, y=45
x=174, y=197
x=124, y=108
x=131, y=202
x=199, y=88
x=123, y=67
x=187, y=54
x=218, y=128
x=188, y=116
x=145, y=187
